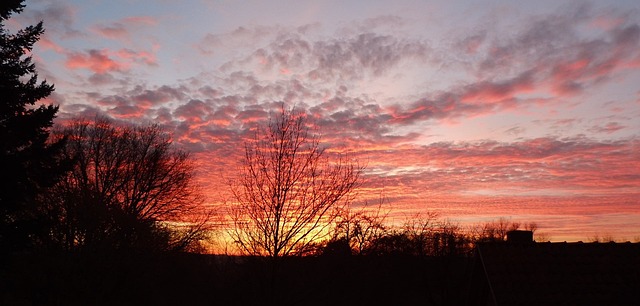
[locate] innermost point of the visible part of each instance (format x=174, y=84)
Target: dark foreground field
x=190, y=279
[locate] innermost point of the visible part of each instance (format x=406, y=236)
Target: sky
x=475, y=110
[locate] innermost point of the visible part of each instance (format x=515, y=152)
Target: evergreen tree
x=28, y=162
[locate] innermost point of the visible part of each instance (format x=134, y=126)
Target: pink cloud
x=122, y=29
x=148, y=58
x=544, y=69
x=105, y=61
x=46, y=42
x=194, y=111
x=97, y=61
x=113, y=31
x=607, y=22
x=141, y=20
x=558, y=165
x=492, y=92
x=249, y=116
x=128, y=112
x=472, y=44
x=608, y=128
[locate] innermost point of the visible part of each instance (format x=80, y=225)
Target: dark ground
x=191, y=279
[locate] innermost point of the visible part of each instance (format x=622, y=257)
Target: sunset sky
x=476, y=110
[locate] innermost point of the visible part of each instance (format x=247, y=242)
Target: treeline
x=365, y=233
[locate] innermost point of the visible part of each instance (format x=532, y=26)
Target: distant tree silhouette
x=420, y=231
x=127, y=184
x=602, y=238
x=28, y=162
x=288, y=192
x=359, y=229
x=420, y=236
x=497, y=230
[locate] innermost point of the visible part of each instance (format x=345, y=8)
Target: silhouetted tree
x=497, y=230
x=288, y=192
x=423, y=236
x=28, y=163
x=129, y=189
x=420, y=231
x=359, y=229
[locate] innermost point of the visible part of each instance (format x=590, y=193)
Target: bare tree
x=288, y=192
x=420, y=231
x=497, y=230
x=129, y=188
x=359, y=229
